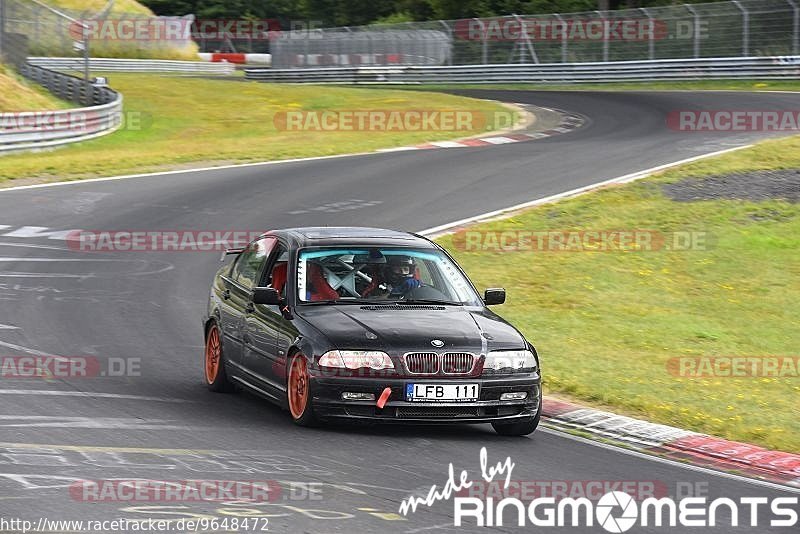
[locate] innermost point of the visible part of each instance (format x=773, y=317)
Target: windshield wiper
x=428, y=301
x=336, y=301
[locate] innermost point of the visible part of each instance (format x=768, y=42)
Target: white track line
x=185, y=171
x=88, y=394
x=573, y=192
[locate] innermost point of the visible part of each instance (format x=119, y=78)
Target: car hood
x=396, y=329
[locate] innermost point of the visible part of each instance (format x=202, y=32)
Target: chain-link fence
x=30, y=27
x=720, y=29
x=33, y=28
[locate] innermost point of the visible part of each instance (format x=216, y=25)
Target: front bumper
x=328, y=403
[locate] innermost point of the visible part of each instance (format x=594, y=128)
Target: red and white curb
x=569, y=122
x=678, y=444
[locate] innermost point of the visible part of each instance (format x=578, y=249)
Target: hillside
x=17, y=94
x=120, y=6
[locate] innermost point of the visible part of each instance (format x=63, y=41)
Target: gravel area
x=756, y=185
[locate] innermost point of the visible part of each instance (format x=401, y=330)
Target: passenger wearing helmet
x=400, y=275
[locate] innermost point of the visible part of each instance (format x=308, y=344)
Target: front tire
x=214, y=363
x=298, y=392
x=519, y=428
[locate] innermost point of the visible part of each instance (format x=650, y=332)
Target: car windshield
x=373, y=275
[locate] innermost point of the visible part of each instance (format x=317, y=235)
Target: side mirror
x=494, y=295
x=266, y=295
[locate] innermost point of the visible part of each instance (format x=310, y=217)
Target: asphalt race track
x=164, y=424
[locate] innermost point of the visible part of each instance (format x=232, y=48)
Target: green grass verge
x=180, y=122
x=607, y=323
x=19, y=94
x=700, y=85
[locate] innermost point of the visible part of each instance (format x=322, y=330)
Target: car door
x=262, y=323
x=237, y=295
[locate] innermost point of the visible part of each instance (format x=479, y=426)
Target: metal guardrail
x=46, y=129
x=762, y=68
x=68, y=87
x=133, y=65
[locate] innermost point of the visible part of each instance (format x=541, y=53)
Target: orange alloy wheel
x=298, y=386
x=212, y=354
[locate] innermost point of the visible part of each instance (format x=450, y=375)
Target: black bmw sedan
x=367, y=324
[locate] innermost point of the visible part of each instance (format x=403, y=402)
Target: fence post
x=86, y=72
x=484, y=43
x=795, y=28
x=606, y=35
x=452, y=41
x=745, y=28
x=563, y=37
x=651, y=42
x=2, y=27
x=370, y=48
x=528, y=42
x=306, y=45
x=696, y=24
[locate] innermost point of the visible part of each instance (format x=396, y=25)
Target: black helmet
x=399, y=269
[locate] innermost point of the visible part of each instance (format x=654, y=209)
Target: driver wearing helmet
x=400, y=275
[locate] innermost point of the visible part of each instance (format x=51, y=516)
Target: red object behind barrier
x=230, y=58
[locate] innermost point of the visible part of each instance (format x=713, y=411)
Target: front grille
x=422, y=363
x=430, y=363
x=456, y=363
x=445, y=411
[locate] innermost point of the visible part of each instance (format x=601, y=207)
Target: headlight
x=510, y=361
x=356, y=359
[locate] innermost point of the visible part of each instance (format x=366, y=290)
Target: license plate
x=442, y=392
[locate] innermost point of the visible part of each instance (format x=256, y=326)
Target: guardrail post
x=795, y=27
x=696, y=23
x=745, y=28
x=563, y=37
x=606, y=35
x=651, y=42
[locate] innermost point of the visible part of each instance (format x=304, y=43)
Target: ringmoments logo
x=615, y=511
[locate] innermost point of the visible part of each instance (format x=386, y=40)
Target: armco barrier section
x=47, y=129
x=133, y=65
x=761, y=68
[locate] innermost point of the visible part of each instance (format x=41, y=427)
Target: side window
x=248, y=264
